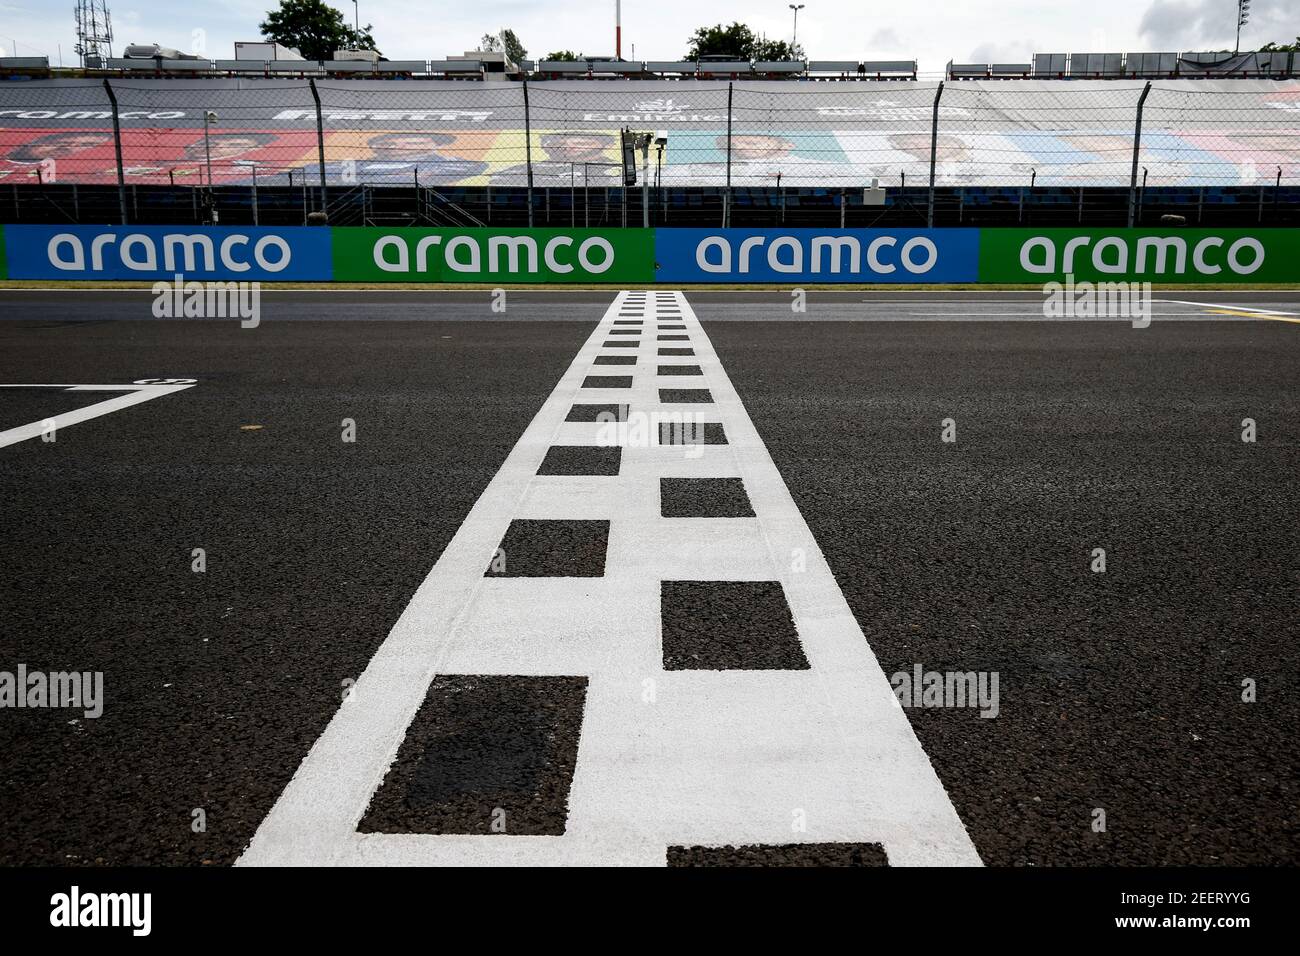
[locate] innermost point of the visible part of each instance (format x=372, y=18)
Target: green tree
x=1281, y=47
x=515, y=51
x=771, y=50
x=565, y=56
x=504, y=42
x=735, y=41
x=314, y=29
x=738, y=42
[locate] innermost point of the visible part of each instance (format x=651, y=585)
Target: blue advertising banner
x=815, y=255
x=229, y=253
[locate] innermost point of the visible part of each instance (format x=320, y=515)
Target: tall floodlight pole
x=794, y=39
x=618, y=29
x=1243, y=17
x=356, y=16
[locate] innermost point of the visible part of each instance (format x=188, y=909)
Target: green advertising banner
x=4, y=261
x=624, y=256
x=1141, y=255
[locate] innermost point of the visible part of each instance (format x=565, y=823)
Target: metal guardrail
x=560, y=207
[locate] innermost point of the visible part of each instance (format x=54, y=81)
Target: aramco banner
x=638, y=257
x=617, y=256
x=816, y=255
x=1147, y=255
x=292, y=253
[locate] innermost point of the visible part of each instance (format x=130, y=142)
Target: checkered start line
x=631, y=652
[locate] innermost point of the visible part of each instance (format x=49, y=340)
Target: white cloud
x=1191, y=25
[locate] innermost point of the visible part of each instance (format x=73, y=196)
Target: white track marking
x=1237, y=308
x=720, y=757
x=136, y=395
x=1037, y=316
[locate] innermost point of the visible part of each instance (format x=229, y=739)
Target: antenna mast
x=94, y=30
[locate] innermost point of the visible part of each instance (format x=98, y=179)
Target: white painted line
x=717, y=757
x=1037, y=315
x=1238, y=308
x=137, y=393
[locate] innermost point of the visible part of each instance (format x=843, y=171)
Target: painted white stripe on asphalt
x=719, y=757
x=1037, y=316
x=137, y=394
x=1238, y=308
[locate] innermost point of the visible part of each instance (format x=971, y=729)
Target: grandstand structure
x=1069, y=139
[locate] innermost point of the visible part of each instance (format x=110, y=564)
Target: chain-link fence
x=549, y=153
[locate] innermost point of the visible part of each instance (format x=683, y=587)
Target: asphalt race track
x=652, y=675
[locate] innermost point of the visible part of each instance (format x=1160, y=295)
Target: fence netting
x=555, y=145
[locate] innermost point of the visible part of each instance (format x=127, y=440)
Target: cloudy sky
x=931, y=32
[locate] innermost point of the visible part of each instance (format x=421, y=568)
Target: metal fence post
x=726, y=196
x=117, y=148
x=528, y=151
x=645, y=181
x=320, y=147
x=934, y=151
x=1137, y=147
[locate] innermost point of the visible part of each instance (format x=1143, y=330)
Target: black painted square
x=551, y=548
x=486, y=755
x=680, y=370
x=704, y=498
x=581, y=460
x=674, y=338
x=615, y=360
x=692, y=433
x=621, y=344
x=597, y=413
x=784, y=854
x=607, y=381
x=728, y=625
x=677, y=351
x=685, y=396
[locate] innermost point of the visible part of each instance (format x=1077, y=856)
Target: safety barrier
x=645, y=256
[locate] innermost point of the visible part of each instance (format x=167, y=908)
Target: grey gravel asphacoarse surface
x=1118, y=691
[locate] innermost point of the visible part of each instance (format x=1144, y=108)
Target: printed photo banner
x=564, y=157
